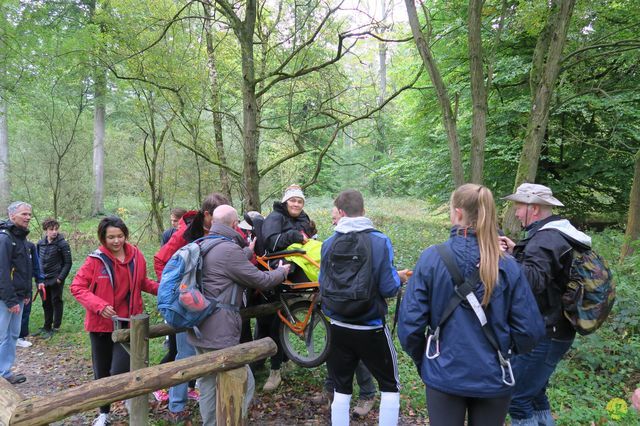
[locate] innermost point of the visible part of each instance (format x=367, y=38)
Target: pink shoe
x=194, y=394
x=161, y=395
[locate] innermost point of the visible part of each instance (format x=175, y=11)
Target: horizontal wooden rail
x=160, y=330
x=47, y=409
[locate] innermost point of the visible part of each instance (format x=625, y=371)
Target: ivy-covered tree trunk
x=544, y=73
x=448, y=116
x=5, y=188
x=250, y=175
x=216, y=103
x=632, y=232
x=478, y=91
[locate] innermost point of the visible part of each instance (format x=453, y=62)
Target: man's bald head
x=225, y=215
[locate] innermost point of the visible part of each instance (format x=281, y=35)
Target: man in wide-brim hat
x=545, y=255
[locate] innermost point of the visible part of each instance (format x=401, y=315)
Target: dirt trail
x=53, y=366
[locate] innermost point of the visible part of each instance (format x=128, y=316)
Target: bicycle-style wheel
x=312, y=348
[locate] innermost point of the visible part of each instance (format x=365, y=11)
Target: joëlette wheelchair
x=303, y=330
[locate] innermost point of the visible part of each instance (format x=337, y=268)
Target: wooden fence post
x=139, y=358
x=231, y=387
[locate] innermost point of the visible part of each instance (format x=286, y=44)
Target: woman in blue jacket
x=464, y=371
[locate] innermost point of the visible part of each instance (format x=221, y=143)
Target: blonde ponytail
x=480, y=212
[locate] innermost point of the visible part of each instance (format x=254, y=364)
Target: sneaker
x=46, y=334
x=102, y=420
x=363, y=407
x=179, y=417
x=161, y=395
x=194, y=394
x=15, y=379
x=273, y=381
x=23, y=343
x=40, y=331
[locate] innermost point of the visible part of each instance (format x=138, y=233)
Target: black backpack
x=347, y=287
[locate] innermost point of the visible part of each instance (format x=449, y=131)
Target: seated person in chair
x=288, y=224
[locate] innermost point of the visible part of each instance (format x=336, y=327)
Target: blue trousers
x=9, y=331
x=532, y=372
x=178, y=394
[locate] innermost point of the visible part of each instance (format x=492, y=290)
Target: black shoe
x=40, y=331
x=15, y=379
x=46, y=334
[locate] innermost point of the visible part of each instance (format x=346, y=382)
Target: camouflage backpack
x=590, y=292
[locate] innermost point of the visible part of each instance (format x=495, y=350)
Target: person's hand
x=58, y=281
x=41, y=287
x=108, y=312
x=506, y=244
x=404, y=275
x=285, y=266
x=252, y=243
x=15, y=309
x=305, y=237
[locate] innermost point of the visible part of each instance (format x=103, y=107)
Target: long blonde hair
x=480, y=212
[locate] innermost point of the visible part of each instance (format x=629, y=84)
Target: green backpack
x=590, y=293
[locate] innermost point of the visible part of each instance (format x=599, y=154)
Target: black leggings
x=450, y=410
x=108, y=359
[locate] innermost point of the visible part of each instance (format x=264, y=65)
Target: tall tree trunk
x=250, y=175
x=544, y=73
x=448, y=116
x=380, y=150
x=216, y=103
x=478, y=91
x=633, y=220
x=100, y=89
x=5, y=187
x=100, y=92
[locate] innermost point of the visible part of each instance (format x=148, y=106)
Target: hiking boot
x=363, y=407
x=40, y=331
x=15, y=379
x=46, y=334
x=273, y=381
x=103, y=419
x=23, y=343
x=321, y=398
x=179, y=417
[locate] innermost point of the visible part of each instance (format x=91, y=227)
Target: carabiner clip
x=427, y=351
x=507, y=372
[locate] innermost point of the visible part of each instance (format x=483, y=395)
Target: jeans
x=532, y=372
x=207, y=386
x=9, y=331
x=178, y=393
x=363, y=378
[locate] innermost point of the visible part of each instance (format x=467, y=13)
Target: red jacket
x=174, y=244
x=95, y=287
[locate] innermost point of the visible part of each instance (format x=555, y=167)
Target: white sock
x=340, y=409
x=389, y=408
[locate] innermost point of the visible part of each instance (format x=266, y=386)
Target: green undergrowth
x=599, y=368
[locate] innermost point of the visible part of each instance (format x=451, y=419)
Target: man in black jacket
x=55, y=261
x=15, y=284
x=545, y=255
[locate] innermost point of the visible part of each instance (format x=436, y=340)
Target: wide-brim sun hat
x=533, y=193
x=247, y=222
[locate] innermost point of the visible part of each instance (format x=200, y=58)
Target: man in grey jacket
x=226, y=271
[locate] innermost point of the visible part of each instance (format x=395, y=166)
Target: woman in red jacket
x=109, y=285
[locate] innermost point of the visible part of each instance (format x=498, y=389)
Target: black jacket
x=55, y=259
x=16, y=269
x=280, y=230
x=545, y=256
